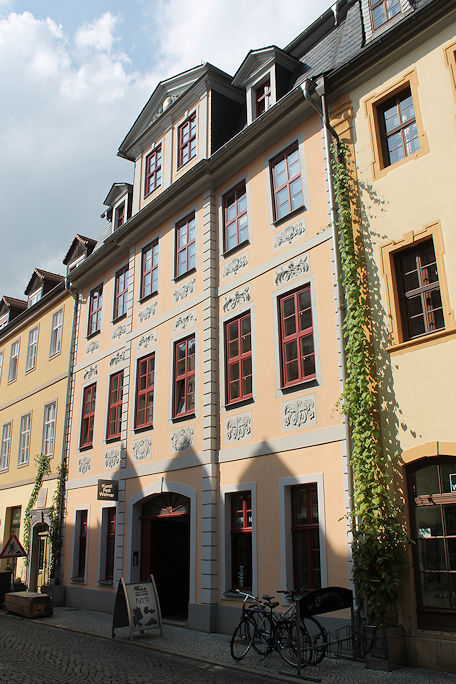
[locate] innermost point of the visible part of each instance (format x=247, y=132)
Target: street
x=33, y=653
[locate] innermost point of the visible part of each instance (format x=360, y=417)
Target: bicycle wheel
x=318, y=636
x=262, y=634
x=241, y=640
x=285, y=636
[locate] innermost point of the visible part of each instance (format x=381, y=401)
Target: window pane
x=427, y=480
x=435, y=590
x=431, y=553
x=428, y=522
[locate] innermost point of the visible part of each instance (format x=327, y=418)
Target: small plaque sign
x=453, y=482
x=107, y=490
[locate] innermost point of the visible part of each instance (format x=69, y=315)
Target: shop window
x=80, y=546
x=296, y=337
x=305, y=536
x=235, y=226
x=238, y=355
x=241, y=541
x=114, y=427
x=109, y=529
x=15, y=520
x=184, y=377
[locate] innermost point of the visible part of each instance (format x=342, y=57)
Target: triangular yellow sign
x=13, y=548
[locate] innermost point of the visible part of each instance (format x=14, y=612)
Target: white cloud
x=98, y=34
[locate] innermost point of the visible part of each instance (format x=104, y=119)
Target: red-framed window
x=382, y=10
x=119, y=216
x=398, y=129
x=110, y=542
x=238, y=355
x=95, y=308
x=114, y=427
x=121, y=292
x=296, y=332
x=149, y=269
x=185, y=245
x=144, y=416
x=306, y=536
x=187, y=140
x=82, y=543
x=235, y=216
x=241, y=540
x=263, y=97
x=88, y=416
x=153, y=172
x=286, y=182
x=184, y=377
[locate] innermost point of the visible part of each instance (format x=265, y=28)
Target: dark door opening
x=165, y=551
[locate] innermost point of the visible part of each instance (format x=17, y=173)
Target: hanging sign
x=107, y=490
x=13, y=548
x=137, y=607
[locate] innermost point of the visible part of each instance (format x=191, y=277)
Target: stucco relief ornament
x=146, y=340
x=92, y=346
x=119, y=331
x=292, y=270
x=298, y=413
x=84, y=464
x=182, y=439
x=142, y=449
x=236, y=299
x=290, y=234
x=184, y=321
x=90, y=372
x=117, y=358
x=148, y=312
x=238, y=427
x=235, y=265
x=112, y=458
x=183, y=291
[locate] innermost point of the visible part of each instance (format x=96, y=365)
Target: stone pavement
x=215, y=649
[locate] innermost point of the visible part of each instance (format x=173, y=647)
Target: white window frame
x=55, y=344
x=75, y=560
x=4, y=320
x=1, y=364
x=34, y=297
x=5, y=446
x=24, y=440
x=49, y=425
x=225, y=508
x=32, y=349
x=14, y=360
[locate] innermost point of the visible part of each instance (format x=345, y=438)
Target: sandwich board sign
x=137, y=607
x=13, y=548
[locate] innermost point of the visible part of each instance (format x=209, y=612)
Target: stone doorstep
x=29, y=604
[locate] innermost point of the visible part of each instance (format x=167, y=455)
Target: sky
x=74, y=76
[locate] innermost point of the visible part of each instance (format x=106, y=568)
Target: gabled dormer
x=80, y=249
x=185, y=120
x=40, y=284
x=266, y=74
x=119, y=203
x=10, y=307
x=381, y=15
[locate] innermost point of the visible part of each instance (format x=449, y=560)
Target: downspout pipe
x=308, y=88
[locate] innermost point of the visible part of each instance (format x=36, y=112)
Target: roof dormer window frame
x=259, y=80
x=390, y=18
x=34, y=296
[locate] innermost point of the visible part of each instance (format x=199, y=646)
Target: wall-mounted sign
x=453, y=482
x=137, y=607
x=107, y=490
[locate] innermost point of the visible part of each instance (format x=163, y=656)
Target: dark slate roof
x=47, y=276
x=89, y=243
x=13, y=302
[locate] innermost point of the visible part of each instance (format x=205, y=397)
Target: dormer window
x=119, y=216
x=34, y=297
x=4, y=321
x=383, y=10
x=263, y=97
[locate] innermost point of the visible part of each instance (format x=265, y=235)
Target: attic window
x=120, y=216
x=263, y=97
x=34, y=297
x=383, y=10
x=4, y=321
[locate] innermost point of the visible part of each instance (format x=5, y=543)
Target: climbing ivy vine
x=54, y=536
x=43, y=469
x=379, y=537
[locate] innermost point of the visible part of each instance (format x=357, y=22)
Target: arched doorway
x=432, y=500
x=39, y=563
x=165, y=550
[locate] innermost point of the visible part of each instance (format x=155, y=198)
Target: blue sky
x=74, y=76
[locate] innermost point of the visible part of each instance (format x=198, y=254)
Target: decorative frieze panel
x=146, y=341
x=92, y=346
x=182, y=439
x=299, y=413
x=148, y=312
x=118, y=358
x=112, y=458
x=184, y=321
x=119, y=331
x=142, y=449
x=236, y=299
x=292, y=270
x=290, y=234
x=84, y=464
x=238, y=427
x=184, y=290
x=235, y=265
x=90, y=372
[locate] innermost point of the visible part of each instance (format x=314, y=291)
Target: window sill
x=186, y=416
x=93, y=334
x=111, y=440
x=149, y=194
x=180, y=277
x=105, y=583
x=280, y=221
x=22, y=465
x=238, y=404
x=143, y=428
x=119, y=318
x=52, y=356
x=86, y=448
x=30, y=370
x=422, y=341
x=303, y=384
x=147, y=297
x=10, y=382
x=233, y=596
x=237, y=248
x=181, y=166
x=77, y=580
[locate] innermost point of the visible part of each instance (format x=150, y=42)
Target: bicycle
x=242, y=638
x=316, y=634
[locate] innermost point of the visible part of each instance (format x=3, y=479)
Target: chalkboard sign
x=325, y=600
x=137, y=607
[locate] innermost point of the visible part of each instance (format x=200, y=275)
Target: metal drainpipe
x=307, y=89
x=62, y=476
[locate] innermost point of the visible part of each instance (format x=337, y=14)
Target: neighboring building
x=34, y=370
x=397, y=108
x=208, y=362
